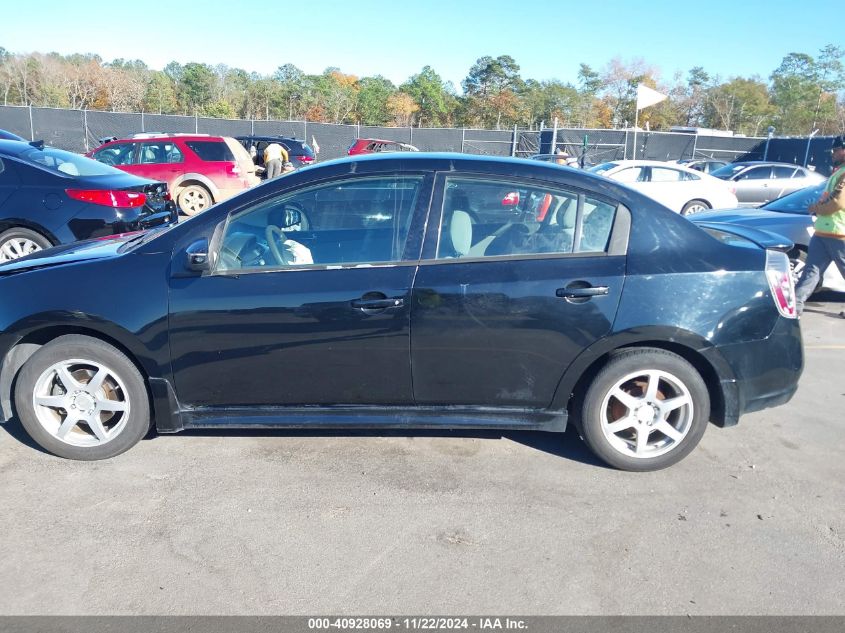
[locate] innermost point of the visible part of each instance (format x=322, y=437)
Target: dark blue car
x=50, y=197
x=406, y=291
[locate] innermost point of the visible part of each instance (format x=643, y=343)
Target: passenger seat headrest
x=460, y=232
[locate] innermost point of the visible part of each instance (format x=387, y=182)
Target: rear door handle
x=577, y=293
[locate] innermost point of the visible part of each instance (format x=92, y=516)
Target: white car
x=681, y=189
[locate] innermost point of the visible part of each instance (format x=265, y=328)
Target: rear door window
x=495, y=218
x=159, y=152
x=783, y=172
x=212, y=151
x=757, y=173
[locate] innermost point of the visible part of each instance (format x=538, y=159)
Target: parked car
x=199, y=169
x=299, y=152
x=706, y=165
x=375, y=145
x=681, y=189
x=50, y=197
x=11, y=136
x=757, y=182
x=788, y=216
x=359, y=292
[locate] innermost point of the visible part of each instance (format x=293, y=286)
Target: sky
x=548, y=39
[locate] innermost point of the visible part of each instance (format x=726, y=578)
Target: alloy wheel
x=81, y=402
x=16, y=247
x=647, y=413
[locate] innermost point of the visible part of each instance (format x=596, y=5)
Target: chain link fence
x=82, y=130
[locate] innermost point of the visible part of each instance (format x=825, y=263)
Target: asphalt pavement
x=752, y=522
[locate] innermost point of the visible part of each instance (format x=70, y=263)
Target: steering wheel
x=273, y=233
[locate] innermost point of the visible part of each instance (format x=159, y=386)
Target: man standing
x=274, y=157
x=828, y=242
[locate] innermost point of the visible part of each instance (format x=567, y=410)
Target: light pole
x=768, y=140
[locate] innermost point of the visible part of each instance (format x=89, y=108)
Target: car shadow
x=566, y=445
x=16, y=431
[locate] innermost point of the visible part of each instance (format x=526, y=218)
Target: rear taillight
x=305, y=159
x=109, y=198
x=167, y=196
x=780, y=283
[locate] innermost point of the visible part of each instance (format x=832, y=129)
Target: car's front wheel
x=645, y=410
x=19, y=242
x=81, y=398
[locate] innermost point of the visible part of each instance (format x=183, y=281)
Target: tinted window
x=362, y=221
x=211, y=150
x=117, y=154
x=159, y=152
x=727, y=172
x=757, y=173
x=490, y=218
x=783, y=172
x=63, y=162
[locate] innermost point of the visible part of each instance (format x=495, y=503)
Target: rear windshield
x=66, y=163
x=729, y=238
x=600, y=169
x=797, y=201
x=211, y=150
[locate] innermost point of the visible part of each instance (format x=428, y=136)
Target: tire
x=56, y=383
x=17, y=242
x=695, y=206
x=619, y=395
x=194, y=199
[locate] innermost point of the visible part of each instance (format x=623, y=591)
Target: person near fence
x=275, y=156
x=828, y=241
x=565, y=158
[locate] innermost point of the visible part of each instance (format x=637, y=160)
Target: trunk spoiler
x=763, y=239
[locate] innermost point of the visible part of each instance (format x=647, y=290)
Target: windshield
x=726, y=172
x=67, y=163
x=603, y=167
x=797, y=201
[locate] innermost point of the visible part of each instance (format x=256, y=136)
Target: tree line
x=802, y=95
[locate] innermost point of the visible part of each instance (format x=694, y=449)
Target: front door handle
x=377, y=301
x=580, y=293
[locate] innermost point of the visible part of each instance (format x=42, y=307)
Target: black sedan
x=50, y=197
x=406, y=291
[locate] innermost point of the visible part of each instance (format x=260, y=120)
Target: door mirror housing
x=197, y=257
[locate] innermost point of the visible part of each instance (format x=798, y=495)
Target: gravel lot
x=753, y=522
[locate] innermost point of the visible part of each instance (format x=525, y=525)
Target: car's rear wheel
x=81, y=398
x=18, y=242
x=194, y=199
x=695, y=206
x=645, y=410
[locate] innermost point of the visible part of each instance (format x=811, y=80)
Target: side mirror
x=196, y=256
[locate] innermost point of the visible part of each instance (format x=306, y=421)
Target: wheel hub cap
x=83, y=402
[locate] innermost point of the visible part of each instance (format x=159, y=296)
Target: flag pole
x=636, y=122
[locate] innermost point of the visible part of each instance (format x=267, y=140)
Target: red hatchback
x=199, y=169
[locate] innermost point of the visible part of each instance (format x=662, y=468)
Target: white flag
x=314, y=145
x=648, y=97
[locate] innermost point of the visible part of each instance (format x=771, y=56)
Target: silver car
x=789, y=217
x=757, y=182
